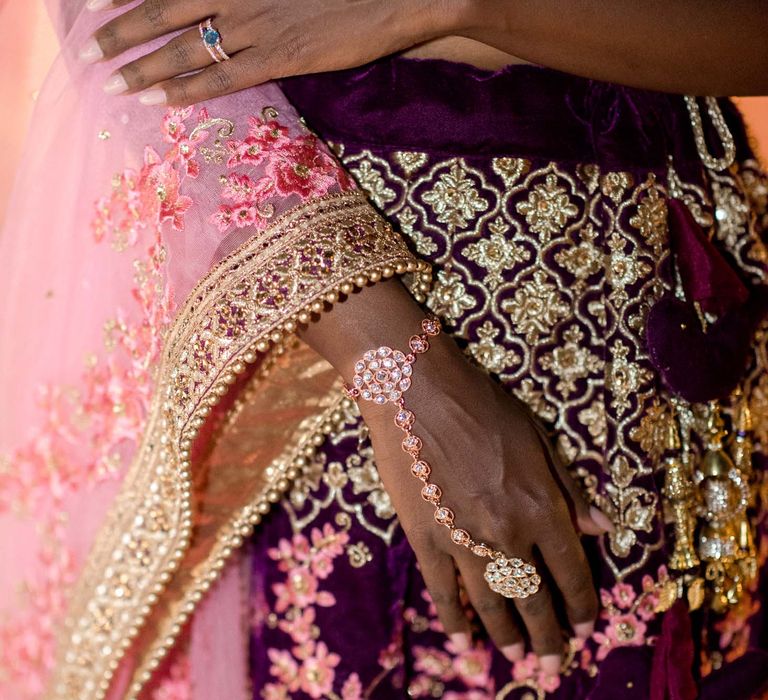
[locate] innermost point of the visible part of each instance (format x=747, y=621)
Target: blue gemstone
x=211, y=37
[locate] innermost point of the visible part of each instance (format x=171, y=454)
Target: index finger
x=149, y=20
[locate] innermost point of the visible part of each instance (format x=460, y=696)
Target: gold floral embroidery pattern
x=569, y=263
x=249, y=303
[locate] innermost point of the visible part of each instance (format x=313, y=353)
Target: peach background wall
x=27, y=50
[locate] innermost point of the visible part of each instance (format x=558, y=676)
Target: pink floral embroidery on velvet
x=626, y=612
x=297, y=165
x=310, y=666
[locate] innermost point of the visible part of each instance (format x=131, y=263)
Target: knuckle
x=109, y=39
x=585, y=607
x=490, y=605
x=291, y=51
x=445, y=600
x=178, y=92
x=421, y=539
x=156, y=12
x=534, y=606
x=219, y=79
x=134, y=76
x=180, y=52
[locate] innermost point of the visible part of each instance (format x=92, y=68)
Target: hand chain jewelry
x=383, y=376
x=726, y=138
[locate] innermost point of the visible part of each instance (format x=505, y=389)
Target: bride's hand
x=506, y=487
x=265, y=39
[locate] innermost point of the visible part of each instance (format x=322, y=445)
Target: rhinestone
x=367, y=395
x=374, y=364
x=421, y=469
x=395, y=396
x=360, y=366
x=481, y=550
x=516, y=562
x=358, y=381
x=368, y=376
x=405, y=384
x=460, y=536
x=395, y=375
x=407, y=370
x=412, y=443
x=389, y=363
x=431, y=493
x=368, y=356
x=388, y=386
x=418, y=344
x=384, y=351
x=430, y=326
x=403, y=418
x=375, y=389
x=380, y=400
x=444, y=516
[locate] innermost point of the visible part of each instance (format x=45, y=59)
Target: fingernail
x=584, y=630
x=601, y=519
x=460, y=641
x=115, y=85
x=514, y=652
x=154, y=96
x=91, y=51
x=550, y=664
x=95, y=5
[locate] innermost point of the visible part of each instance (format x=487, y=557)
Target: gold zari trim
x=189, y=500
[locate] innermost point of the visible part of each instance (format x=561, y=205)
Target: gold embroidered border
x=156, y=555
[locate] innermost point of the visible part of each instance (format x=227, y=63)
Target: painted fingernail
x=153, y=96
x=91, y=51
x=115, y=85
x=601, y=519
x=460, y=640
x=550, y=664
x=96, y=5
x=584, y=630
x=514, y=652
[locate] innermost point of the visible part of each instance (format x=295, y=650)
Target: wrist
x=433, y=19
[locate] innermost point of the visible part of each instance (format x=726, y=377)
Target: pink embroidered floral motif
x=294, y=166
x=83, y=437
x=310, y=666
x=527, y=671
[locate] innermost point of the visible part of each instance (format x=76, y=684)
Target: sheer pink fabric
x=111, y=223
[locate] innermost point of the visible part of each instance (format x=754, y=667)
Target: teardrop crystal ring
x=383, y=376
x=212, y=41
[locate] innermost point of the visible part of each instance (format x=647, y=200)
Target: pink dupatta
x=154, y=399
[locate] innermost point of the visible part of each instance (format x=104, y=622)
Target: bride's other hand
x=265, y=40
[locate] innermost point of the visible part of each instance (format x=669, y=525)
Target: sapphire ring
x=212, y=41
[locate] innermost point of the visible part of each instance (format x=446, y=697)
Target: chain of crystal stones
x=383, y=376
x=212, y=41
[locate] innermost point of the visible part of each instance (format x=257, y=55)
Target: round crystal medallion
x=382, y=375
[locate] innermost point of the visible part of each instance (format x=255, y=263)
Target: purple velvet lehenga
x=544, y=203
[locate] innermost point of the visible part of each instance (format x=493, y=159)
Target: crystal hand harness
x=384, y=376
